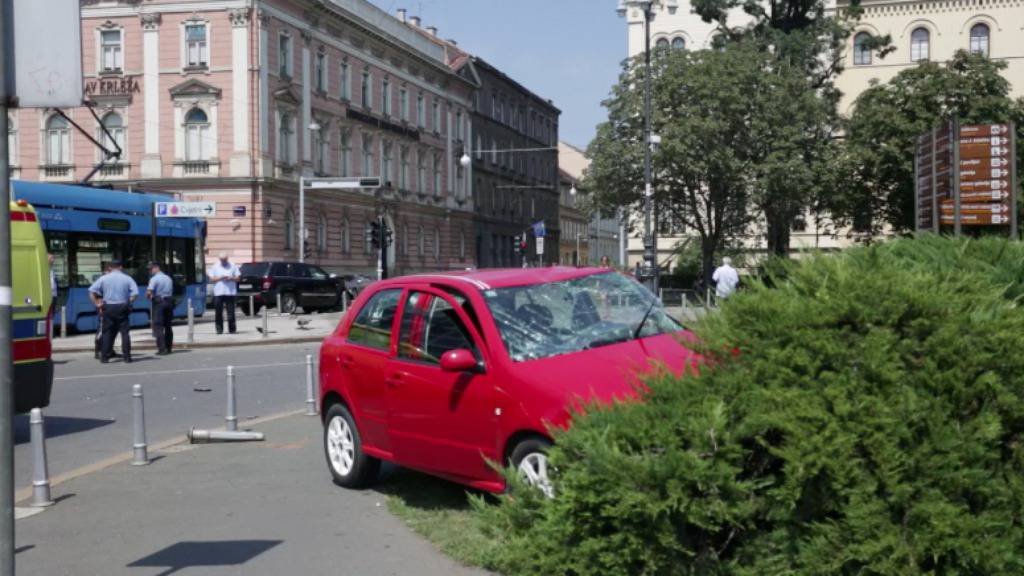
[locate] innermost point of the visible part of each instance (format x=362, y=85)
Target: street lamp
x=572, y=191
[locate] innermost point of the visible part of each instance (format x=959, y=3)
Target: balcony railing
x=195, y=167
x=113, y=170
x=57, y=170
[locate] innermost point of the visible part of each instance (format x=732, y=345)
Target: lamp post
x=314, y=127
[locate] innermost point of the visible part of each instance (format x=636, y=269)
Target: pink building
x=232, y=101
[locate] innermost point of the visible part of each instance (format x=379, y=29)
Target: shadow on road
x=204, y=554
x=56, y=426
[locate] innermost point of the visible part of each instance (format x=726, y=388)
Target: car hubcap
x=341, y=447
x=534, y=471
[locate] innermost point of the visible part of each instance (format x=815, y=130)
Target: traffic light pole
x=382, y=242
x=650, y=240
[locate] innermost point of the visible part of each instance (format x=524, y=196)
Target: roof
x=502, y=277
x=74, y=196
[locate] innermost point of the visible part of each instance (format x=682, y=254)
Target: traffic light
x=375, y=234
x=516, y=246
x=307, y=251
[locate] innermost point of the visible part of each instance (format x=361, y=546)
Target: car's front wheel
x=530, y=459
x=343, y=446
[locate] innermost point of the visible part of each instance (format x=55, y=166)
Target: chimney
x=415, y=21
x=401, y=14
x=432, y=30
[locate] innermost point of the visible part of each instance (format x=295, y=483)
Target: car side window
x=300, y=271
x=430, y=327
x=317, y=273
x=372, y=326
x=279, y=270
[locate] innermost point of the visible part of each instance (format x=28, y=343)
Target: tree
x=878, y=160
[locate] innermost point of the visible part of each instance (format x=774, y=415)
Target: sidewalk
x=282, y=329
x=258, y=509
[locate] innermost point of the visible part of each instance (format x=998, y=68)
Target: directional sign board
x=185, y=209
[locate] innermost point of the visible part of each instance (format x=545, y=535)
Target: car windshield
x=555, y=318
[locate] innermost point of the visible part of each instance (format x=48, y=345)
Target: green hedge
x=870, y=425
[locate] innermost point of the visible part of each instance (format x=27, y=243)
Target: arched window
x=321, y=233
x=979, y=39
x=58, y=141
x=861, y=49
x=289, y=229
x=919, y=45
x=197, y=129
x=113, y=137
x=284, y=139
x=346, y=237
x=661, y=44
x=678, y=43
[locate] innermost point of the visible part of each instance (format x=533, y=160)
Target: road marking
x=26, y=511
x=182, y=371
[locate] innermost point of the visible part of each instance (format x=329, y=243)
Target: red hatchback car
x=445, y=373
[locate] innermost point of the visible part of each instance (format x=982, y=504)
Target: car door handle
x=395, y=380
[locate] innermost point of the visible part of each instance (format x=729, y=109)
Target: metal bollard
x=191, y=322
x=252, y=305
x=64, y=321
x=344, y=301
x=279, y=304
x=230, y=418
x=139, y=455
x=310, y=392
x=40, y=474
x=265, y=330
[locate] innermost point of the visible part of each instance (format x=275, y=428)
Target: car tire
x=343, y=447
x=530, y=459
x=288, y=304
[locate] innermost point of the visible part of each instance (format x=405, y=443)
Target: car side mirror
x=460, y=360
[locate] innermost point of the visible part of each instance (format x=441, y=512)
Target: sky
x=565, y=50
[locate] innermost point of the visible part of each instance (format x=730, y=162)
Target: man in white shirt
x=225, y=276
x=726, y=279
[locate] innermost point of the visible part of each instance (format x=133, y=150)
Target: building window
x=289, y=229
x=494, y=152
x=421, y=111
x=58, y=141
x=861, y=49
x=367, y=91
x=323, y=150
x=979, y=39
x=346, y=237
x=367, y=237
x=661, y=44
x=367, y=155
x=678, y=43
x=196, y=46
x=321, y=233
x=345, y=80
x=321, y=72
x=403, y=104
x=437, y=117
x=197, y=131
x=458, y=125
x=403, y=168
x=385, y=93
x=284, y=53
x=112, y=50
x=386, y=163
x=421, y=172
x=113, y=137
x=345, y=162
x=285, y=132
x=437, y=174
x=919, y=41
x=437, y=244
x=420, y=242
x=479, y=147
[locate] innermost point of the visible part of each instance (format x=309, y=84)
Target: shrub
x=871, y=424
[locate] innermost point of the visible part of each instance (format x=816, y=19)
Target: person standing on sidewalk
x=161, y=292
x=225, y=276
x=726, y=279
x=113, y=295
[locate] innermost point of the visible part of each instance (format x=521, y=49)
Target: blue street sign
x=538, y=229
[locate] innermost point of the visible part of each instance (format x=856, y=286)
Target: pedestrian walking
x=161, y=292
x=113, y=295
x=726, y=279
x=638, y=272
x=225, y=276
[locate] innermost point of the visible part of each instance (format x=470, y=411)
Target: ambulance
x=32, y=314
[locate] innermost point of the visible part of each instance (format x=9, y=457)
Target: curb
x=26, y=492
x=197, y=345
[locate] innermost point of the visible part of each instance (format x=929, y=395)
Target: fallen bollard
x=310, y=392
x=229, y=417
x=209, y=436
x=40, y=473
x=140, y=457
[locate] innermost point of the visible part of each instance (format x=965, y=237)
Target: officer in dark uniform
x=161, y=292
x=113, y=295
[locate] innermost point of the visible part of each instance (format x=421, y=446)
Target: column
x=240, y=160
x=307, y=111
x=151, y=165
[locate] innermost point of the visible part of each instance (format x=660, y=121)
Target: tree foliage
x=871, y=423
x=878, y=162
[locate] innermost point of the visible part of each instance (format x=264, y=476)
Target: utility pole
x=650, y=239
x=6, y=365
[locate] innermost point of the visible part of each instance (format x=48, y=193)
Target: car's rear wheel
x=530, y=459
x=288, y=304
x=343, y=446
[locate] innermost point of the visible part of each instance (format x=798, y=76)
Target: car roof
x=499, y=277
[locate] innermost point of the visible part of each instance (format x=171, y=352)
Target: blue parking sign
x=161, y=209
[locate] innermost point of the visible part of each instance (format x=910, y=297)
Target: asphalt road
x=90, y=414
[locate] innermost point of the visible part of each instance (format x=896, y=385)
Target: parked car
x=300, y=285
x=445, y=372
x=355, y=283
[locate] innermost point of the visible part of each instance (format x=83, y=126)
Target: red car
x=445, y=373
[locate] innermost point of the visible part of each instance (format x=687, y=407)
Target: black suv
x=298, y=284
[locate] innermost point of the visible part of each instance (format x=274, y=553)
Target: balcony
x=117, y=170
x=57, y=171
x=284, y=170
x=196, y=168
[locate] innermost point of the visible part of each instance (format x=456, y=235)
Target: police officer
x=113, y=295
x=161, y=292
